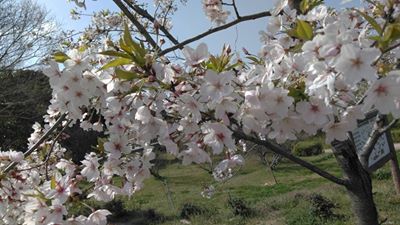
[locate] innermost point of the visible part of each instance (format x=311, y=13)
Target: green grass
x=286, y=202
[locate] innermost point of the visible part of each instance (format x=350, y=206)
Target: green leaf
x=53, y=182
x=304, y=30
x=116, y=62
x=304, y=5
x=126, y=75
x=60, y=57
x=254, y=59
x=371, y=21
x=308, y=5
x=297, y=92
x=127, y=38
x=115, y=53
x=392, y=32
x=100, y=145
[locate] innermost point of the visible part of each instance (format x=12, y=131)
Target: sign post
x=383, y=150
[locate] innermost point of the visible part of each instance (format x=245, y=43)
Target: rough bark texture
x=359, y=184
x=394, y=166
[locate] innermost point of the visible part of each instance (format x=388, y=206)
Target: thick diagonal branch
x=216, y=29
x=146, y=15
x=281, y=151
x=142, y=30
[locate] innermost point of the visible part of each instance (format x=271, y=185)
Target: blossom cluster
x=320, y=75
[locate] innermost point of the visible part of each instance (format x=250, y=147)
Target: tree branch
x=213, y=30
x=281, y=151
x=35, y=146
x=137, y=24
x=146, y=15
x=235, y=9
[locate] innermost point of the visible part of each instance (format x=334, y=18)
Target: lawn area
x=299, y=197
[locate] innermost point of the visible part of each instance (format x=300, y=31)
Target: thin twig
x=46, y=161
x=146, y=15
x=235, y=9
x=386, y=51
x=35, y=146
x=213, y=30
x=137, y=24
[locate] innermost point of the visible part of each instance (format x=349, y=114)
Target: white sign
x=382, y=150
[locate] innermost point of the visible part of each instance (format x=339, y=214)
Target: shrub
x=190, y=209
x=382, y=174
x=321, y=206
x=239, y=207
x=307, y=148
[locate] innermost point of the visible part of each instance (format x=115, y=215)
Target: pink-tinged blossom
x=195, y=56
x=336, y=131
x=60, y=191
x=278, y=6
x=112, y=167
x=352, y=114
x=91, y=165
x=58, y=211
x=313, y=112
x=13, y=156
x=217, y=136
x=67, y=166
x=78, y=60
x=384, y=95
x=355, y=63
x=216, y=85
x=227, y=105
x=190, y=106
x=116, y=145
x=224, y=169
x=99, y=217
x=194, y=154
x=214, y=11
x=273, y=52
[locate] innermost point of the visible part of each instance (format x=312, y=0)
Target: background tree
x=27, y=33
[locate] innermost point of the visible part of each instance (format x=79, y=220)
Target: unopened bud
x=245, y=51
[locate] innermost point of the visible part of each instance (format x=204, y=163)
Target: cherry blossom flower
x=90, y=171
x=217, y=136
x=384, y=95
x=355, y=63
x=194, y=154
x=314, y=111
x=216, y=85
x=336, y=131
x=195, y=56
x=99, y=217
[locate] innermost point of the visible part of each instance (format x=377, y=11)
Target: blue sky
x=188, y=21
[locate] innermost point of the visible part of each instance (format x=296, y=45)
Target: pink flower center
x=220, y=136
x=381, y=90
x=314, y=108
x=356, y=63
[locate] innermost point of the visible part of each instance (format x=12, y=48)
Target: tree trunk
x=359, y=186
x=394, y=166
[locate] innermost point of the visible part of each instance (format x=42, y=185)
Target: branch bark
x=137, y=24
x=281, y=151
x=216, y=29
x=146, y=15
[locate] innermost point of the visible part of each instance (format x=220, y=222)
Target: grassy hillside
x=251, y=197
